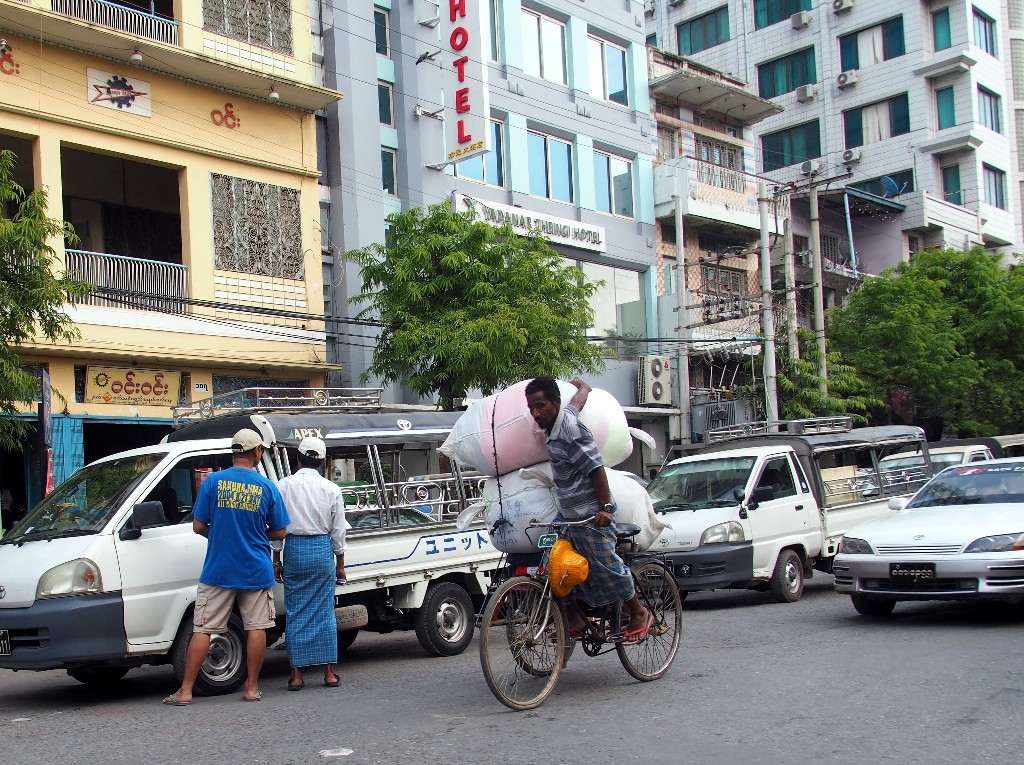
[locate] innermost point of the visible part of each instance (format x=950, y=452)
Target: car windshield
x=84, y=503
x=973, y=485
x=700, y=484
x=946, y=459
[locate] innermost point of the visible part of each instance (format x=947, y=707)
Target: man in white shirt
x=314, y=561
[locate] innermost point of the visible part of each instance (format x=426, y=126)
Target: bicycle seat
x=624, y=531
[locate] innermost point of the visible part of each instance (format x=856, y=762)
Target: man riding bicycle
x=582, y=489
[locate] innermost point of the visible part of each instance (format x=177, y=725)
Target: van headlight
x=75, y=577
x=722, y=533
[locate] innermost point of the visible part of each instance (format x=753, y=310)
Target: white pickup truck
x=102, y=575
x=764, y=504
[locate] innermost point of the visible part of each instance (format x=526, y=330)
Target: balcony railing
x=121, y=282
x=114, y=16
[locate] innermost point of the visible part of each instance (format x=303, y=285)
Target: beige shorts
x=213, y=609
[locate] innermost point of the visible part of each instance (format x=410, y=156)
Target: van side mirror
x=761, y=494
x=739, y=495
x=143, y=514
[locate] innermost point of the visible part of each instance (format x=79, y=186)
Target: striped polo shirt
x=574, y=456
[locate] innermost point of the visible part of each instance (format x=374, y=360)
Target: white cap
x=313, y=447
x=246, y=440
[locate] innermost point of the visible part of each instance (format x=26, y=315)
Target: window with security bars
x=266, y=23
x=668, y=142
x=723, y=282
x=830, y=249
x=720, y=164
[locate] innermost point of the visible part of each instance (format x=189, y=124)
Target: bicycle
x=524, y=637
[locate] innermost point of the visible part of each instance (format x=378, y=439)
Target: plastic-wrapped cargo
x=501, y=425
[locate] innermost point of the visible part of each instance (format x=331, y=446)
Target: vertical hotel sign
x=464, y=24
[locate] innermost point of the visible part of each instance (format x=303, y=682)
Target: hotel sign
x=115, y=385
x=463, y=27
x=571, y=233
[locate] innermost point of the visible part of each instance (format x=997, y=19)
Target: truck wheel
x=346, y=639
x=224, y=669
x=444, y=624
x=870, y=607
x=787, y=583
x=98, y=676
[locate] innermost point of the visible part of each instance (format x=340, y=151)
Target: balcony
x=120, y=18
x=951, y=61
x=962, y=227
x=142, y=285
x=706, y=191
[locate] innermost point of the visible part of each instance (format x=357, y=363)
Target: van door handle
x=799, y=507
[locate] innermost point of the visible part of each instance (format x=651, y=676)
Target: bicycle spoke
x=651, y=658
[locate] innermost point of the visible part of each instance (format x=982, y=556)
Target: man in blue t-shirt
x=239, y=511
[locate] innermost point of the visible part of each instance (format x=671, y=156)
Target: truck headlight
x=854, y=546
x=75, y=577
x=723, y=532
x=997, y=543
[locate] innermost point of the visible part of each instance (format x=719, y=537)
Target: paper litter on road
x=325, y=753
x=21, y=719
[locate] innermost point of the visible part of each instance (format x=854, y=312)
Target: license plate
x=547, y=540
x=912, y=572
x=5, y=643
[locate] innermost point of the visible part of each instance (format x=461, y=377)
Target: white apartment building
x=903, y=106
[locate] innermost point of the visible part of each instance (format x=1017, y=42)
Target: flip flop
x=632, y=637
x=333, y=683
x=258, y=697
x=173, y=702
x=299, y=687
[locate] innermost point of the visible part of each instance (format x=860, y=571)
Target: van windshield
x=85, y=502
x=700, y=484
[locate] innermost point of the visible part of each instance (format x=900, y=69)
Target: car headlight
x=723, y=532
x=854, y=546
x=75, y=577
x=997, y=543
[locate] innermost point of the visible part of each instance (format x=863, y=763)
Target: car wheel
x=98, y=676
x=444, y=623
x=223, y=670
x=345, y=640
x=872, y=607
x=787, y=584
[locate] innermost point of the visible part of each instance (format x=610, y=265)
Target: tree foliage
x=32, y=297
x=942, y=337
x=463, y=305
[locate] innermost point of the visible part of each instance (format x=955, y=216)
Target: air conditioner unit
x=800, y=19
x=674, y=3
x=810, y=167
x=806, y=93
x=851, y=155
x=654, y=383
x=846, y=79
x=649, y=7
x=842, y=6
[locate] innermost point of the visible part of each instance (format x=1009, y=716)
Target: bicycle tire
x=522, y=643
x=656, y=587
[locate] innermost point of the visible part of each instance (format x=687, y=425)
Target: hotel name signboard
x=571, y=233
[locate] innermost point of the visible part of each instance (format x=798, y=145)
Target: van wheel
x=98, y=676
x=870, y=607
x=346, y=639
x=444, y=624
x=787, y=583
x=224, y=669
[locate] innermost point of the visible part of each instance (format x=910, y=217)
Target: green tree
x=941, y=338
x=32, y=296
x=463, y=304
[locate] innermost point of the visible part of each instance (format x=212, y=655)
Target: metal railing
x=122, y=282
x=280, y=400
x=783, y=427
x=114, y=16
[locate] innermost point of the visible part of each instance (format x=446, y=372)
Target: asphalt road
x=755, y=682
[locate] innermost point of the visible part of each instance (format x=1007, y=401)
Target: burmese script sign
x=113, y=385
x=557, y=230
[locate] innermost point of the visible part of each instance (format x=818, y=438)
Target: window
x=550, y=167
x=388, y=162
x=266, y=24
x=487, y=168
x=382, y=31
x=704, y=32
x=990, y=110
x=543, y=47
x=613, y=184
x=651, y=41
x=384, y=104
x=790, y=146
x=872, y=46
x=607, y=71
x=723, y=282
x=946, y=107
x=995, y=186
x=788, y=73
x=876, y=122
x=768, y=12
x=984, y=32
x=618, y=304
x=668, y=142
x=941, y=36
x=951, y=184
x=891, y=185
x=717, y=245
x=777, y=475
x=720, y=164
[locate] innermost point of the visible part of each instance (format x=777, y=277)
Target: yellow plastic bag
x=566, y=568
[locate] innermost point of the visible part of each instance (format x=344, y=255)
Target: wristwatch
x=608, y=508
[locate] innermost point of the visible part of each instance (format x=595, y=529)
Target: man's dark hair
x=546, y=385
x=309, y=461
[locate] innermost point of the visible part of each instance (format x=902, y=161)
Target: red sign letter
x=459, y=38
x=460, y=64
x=462, y=100
x=463, y=138
x=457, y=8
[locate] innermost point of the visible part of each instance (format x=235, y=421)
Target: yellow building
x=180, y=142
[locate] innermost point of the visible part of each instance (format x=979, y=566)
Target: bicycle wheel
x=651, y=658
x=522, y=643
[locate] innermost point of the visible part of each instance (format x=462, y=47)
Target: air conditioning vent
x=800, y=19
x=847, y=79
x=842, y=6
x=649, y=7
x=851, y=155
x=806, y=93
x=810, y=167
x=655, y=381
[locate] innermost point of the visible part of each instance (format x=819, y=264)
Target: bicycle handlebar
x=534, y=523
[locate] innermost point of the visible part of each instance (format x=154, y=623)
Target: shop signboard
x=140, y=387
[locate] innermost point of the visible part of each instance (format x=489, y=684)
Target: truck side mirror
x=761, y=494
x=143, y=514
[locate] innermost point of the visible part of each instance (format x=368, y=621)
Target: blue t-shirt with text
x=240, y=505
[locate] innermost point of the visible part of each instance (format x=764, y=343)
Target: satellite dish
x=891, y=188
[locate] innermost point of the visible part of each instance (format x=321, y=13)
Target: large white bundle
x=634, y=505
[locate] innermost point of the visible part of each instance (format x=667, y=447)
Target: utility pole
x=683, y=328
x=818, y=290
x=790, y=274
x=767, y=317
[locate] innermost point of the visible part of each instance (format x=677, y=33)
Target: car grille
x=918, y=549
x=922, y=585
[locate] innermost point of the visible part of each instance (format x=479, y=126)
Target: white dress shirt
x=315, y=506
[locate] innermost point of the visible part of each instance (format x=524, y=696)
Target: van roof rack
x=281, y=400
x=779, y=427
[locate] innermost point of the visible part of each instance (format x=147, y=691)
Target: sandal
x=632, y=637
